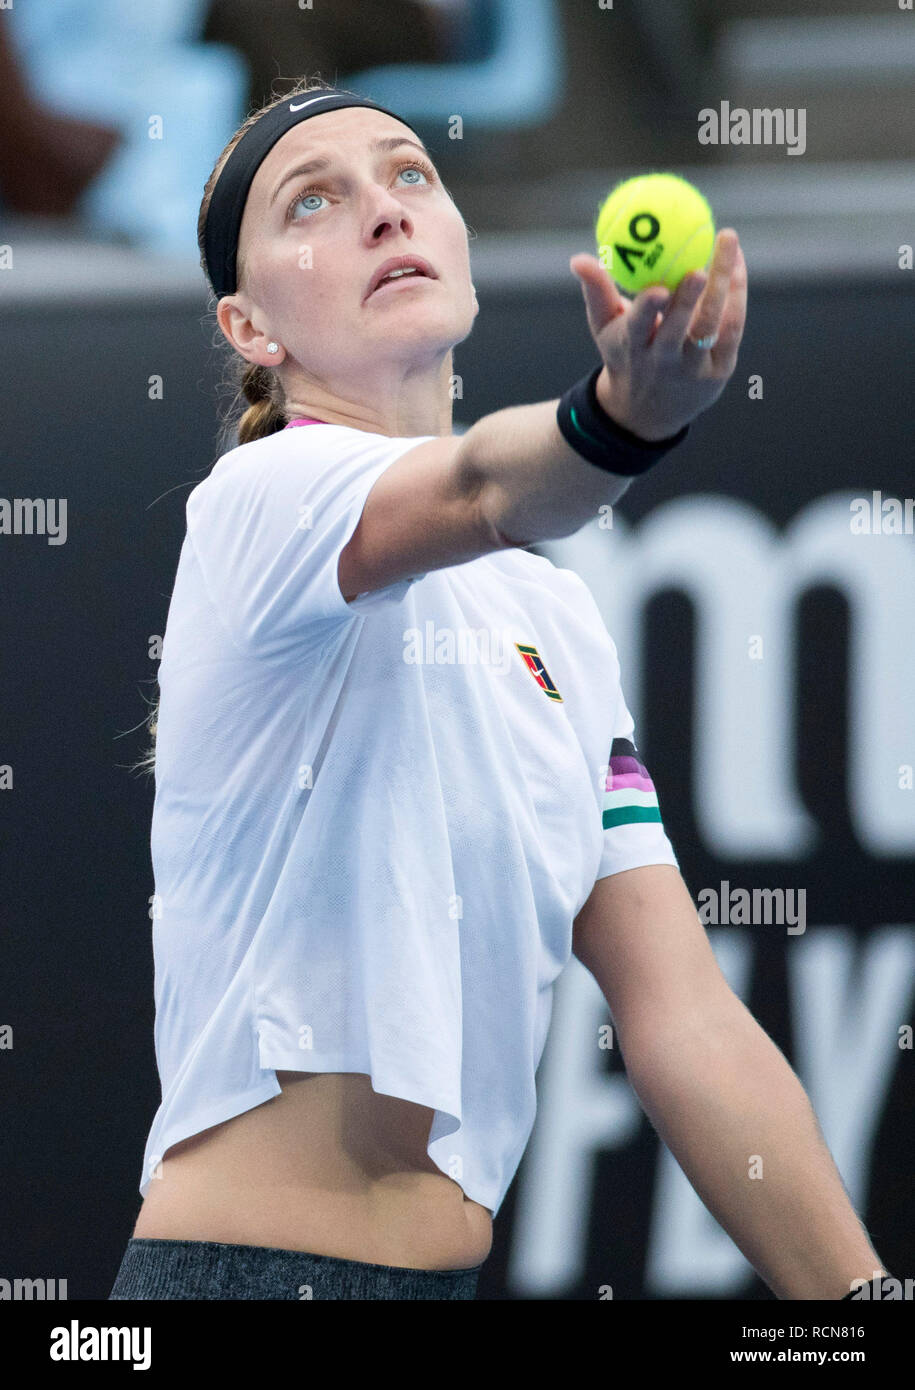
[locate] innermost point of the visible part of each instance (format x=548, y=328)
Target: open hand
x=656, y=379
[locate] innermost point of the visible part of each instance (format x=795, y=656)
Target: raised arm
x=512, y=479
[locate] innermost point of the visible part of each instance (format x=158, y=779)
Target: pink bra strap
x=304, y=420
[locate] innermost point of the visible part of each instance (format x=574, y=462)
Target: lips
x=422, y=267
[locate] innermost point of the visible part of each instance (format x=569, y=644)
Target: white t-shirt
x=374, y=822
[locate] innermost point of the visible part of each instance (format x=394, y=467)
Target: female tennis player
x=396, y=778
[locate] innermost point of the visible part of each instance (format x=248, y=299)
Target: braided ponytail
x=266, y=411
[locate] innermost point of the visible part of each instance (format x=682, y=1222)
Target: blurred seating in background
x=282, y=42
x=112, y=114
x=509, y=73
x=141, y=70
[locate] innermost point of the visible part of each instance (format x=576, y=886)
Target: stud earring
x=273, y=347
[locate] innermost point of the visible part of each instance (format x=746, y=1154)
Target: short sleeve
x=633, y=830
x=268, y=526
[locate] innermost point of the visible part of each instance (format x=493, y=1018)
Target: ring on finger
x=708, y=342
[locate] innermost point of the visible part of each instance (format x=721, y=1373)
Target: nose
x=388, y=214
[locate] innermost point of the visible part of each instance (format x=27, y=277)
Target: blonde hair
x=259, y=387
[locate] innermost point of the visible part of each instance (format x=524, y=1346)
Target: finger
x=673, y=327
x=603, y=301
x=706, y=321
x=733, y=319
x=643, y=315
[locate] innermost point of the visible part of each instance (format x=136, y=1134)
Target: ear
x=233, y=316
x=229, y=316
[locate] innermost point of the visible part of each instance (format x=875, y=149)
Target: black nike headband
x=227, y=204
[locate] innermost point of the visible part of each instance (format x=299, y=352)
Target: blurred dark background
x=108, y=390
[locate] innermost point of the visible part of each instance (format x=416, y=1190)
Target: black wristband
x=589, y=430
x=875, y=1286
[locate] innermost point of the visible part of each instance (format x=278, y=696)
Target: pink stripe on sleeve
x=634, y=780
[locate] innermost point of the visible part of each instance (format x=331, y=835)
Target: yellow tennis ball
x=652, y=230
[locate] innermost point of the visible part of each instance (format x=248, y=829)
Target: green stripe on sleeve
x=626, y=815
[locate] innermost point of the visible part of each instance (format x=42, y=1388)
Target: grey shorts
x=201, y=1269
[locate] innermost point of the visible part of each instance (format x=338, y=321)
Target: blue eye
x=411, y=167
x=303, y=197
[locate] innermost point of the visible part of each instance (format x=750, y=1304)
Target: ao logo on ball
x=653, y=230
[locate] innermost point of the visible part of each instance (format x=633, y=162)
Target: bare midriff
x=329, y=1166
